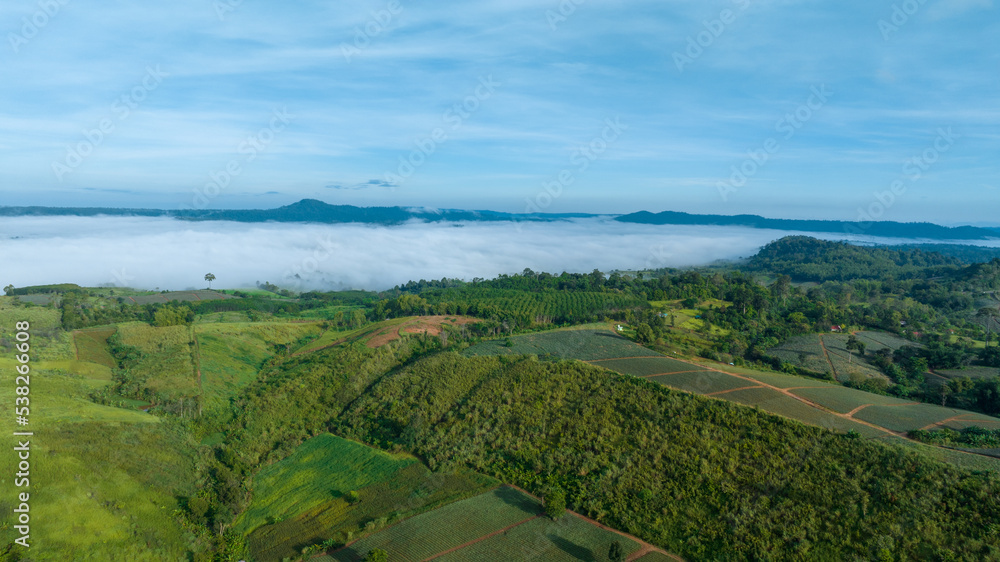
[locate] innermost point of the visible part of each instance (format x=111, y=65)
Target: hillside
x=315, y=211
x=887, y=229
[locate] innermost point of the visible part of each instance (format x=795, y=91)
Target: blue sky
x=512, y=105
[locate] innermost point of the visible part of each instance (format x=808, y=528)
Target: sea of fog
x=162, y=253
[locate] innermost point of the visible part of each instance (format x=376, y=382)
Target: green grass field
x=303, y=499
x=50, y=342
x=104, y=480
x=231, y=354
x=168, y=365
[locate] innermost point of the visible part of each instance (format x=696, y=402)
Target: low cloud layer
x=171, y=254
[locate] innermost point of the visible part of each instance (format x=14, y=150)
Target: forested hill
x=312, y=210
x=877, y=228
x=808, y=259
x=306, y=210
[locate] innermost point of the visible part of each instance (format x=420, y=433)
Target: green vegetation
x=673, y=468
x=583, y=344
x=504, y=524
x=331, y=488
x=257, y=405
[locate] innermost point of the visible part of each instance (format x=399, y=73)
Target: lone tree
x=555, y=503
x=8, y=289
x=376, y=555
x=209, y=277
x=616, y=553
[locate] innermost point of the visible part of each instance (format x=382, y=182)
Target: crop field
x=40, y=299
x=569, y=539
x=230, y=355
x=972, y=420
x=906, y=418
x=845, y=362
x=585, y=345
x=974, y=372
x=842, y=399
x=304, y=499
x=503, y=524
x=182, y=296
x=647, y=366
x=445, y=528
x=807, y=351
x=704, y=382
x=772, y=401
x=882, y=340
x=778, y=380
x=168, y=364
x=92, y=345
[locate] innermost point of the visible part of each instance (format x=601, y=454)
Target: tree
x=616, y=553
x=8, y=289
x=644, y=333
x=988, y=315
x=555, y=503
x=376, y=555
x=209, y=277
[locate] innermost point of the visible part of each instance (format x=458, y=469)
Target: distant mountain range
x=311, y=210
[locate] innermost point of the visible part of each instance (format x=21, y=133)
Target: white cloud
x=172, y=254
